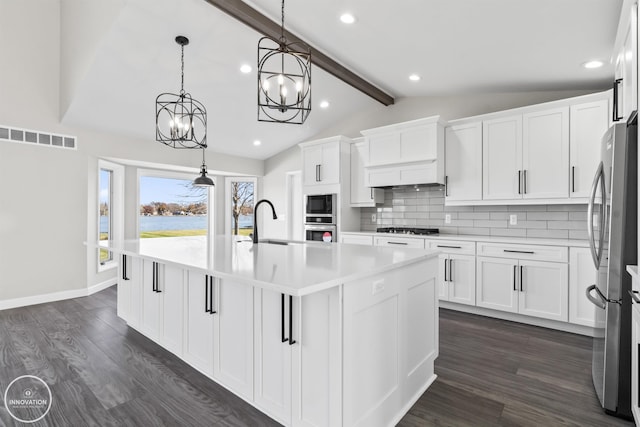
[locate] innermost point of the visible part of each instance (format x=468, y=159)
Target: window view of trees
x=242, y=207
x=171, y=207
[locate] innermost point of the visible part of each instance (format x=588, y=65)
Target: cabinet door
x=463, y=162
x=462, y=279
x=502, y=158
x=233, y=336
x=198, y=340
x=317, y=359
x=588, y=123
x=496, y=284
x=124, y=289
x=172, y=300
x=582, y=273
x=545, y=156
x=311, y=163
x=384, y=149
x=135, y=284
x=150, y=316
x=443, y=275
x=272, y=356
x=543, y=290
x=361, y=194
x=329, y=171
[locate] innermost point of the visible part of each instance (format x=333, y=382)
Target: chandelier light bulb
x=283, y=91
x=298, y=86
x=280, y=79
x=265, y=85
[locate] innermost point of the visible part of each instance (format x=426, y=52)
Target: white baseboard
x=55, y=296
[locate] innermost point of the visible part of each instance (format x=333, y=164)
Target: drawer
x=532, y=252
x=356, y=239
x=453, y=247
x=406, y=242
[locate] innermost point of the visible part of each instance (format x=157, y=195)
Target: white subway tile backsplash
x=425, y=208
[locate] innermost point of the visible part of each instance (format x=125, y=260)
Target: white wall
x=48, y=198
x=449, y=107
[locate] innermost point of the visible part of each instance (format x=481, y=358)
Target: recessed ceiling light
x=414, y=77
x=347, y=18
x=593, y=64
x=257, y=142
x=324, y=104
x=246, y=69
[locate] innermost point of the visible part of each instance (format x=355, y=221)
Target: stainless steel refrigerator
x=612, y=229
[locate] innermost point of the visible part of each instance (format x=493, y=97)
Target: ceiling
x=456, y=46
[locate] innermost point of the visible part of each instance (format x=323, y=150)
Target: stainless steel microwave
x=321, y=205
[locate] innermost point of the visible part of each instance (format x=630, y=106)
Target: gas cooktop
x=407, y=230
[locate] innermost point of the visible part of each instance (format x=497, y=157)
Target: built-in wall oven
x=321, y=217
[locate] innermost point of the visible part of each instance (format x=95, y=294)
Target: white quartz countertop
x=295, y=269
x=480, y=238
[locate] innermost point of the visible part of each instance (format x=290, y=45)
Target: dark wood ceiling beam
x=259, y=22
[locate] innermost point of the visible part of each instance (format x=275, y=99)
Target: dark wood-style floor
x=102, y=373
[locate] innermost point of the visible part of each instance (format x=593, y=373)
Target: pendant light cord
x=282, y=39
x=182, y=71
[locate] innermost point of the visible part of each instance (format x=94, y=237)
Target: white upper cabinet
x=502, y=158
x=589, y=121
x=545, y=154
x=321, y=163
x=361, y=194
x=463, y=162
x=405, y=153
x=626, y=63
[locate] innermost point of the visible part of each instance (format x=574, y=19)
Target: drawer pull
x=519, y=252
x=515, y=269
x=452, y=247
x=398, y=243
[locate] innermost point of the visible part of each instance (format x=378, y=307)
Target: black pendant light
x=181, y=121
x=284, y=80
x=203, y=180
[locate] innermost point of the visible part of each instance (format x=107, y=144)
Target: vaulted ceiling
x=455, y=46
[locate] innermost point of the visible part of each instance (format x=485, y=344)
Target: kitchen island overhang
x=309, y=333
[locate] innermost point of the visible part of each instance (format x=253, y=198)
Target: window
x=171, y=206
x=110, y=209
x=105, y=229
x=240, y=199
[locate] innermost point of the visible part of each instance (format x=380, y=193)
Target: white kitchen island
x=311, y=334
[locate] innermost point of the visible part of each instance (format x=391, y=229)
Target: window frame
x=116, y=209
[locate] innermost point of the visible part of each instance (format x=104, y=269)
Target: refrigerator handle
x=600, y=303
x=596, y=253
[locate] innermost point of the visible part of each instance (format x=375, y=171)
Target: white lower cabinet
x=532, y=288
x=198, y=336
x=129, y=289
x=356, y=239
x=582, y=274
x=297, y=341
x=233, y=336
x=456, y=270
x=389, y=347
x=161, y=291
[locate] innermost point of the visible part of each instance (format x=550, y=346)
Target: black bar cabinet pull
x=515, y=268
x=153, y=277
x=521, y=268
x=445, y=270
x=519, y=182
x=446, y=186
x=206, y=294
x=282, y=318
x=524, y=181
x=573, y=179
x=211, y=288
x=519, y=252
x=124, y=268
x=447, y=246
x=616, y=99
x=397, y=243
x=451, y=270
x=291, y=340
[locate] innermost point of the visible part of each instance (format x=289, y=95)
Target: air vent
x=37, y=138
